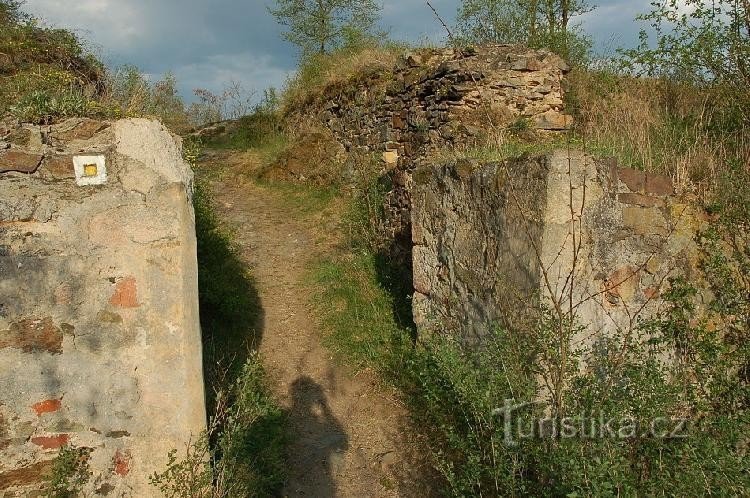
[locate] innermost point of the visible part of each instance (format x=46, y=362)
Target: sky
x=207, y=43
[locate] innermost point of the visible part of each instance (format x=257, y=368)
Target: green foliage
x=535, y=23
x=242, y=456
x=70, y=473
x=10, y=12
x=683, y=364
x=42, y=107
x=320, y=26
x=45, y=73
x=700, y=42
x=252, y=437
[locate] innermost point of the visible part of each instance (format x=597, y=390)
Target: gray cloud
x=208, y=42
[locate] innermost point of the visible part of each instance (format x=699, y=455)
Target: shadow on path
x=230, y=307
x=319, y=444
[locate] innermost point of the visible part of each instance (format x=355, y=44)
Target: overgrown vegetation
x=686, y=368
x=534, y=23
x=70, y=473
x=44, y=72
x=657, y=410
x=242, y=455
x=355, y=60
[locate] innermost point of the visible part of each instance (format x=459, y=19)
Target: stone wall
x=435, y=99
x=491, y=240
x=99, y=335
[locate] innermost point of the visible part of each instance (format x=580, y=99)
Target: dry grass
x=678, y=130
x=322, y=74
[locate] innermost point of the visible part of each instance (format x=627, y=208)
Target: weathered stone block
x=634, y=179
x=553, y=120
x=641, y=200
x=20, y=161
x=493, y=240
x=33, y=335
x=100, y=343
x=659, y=185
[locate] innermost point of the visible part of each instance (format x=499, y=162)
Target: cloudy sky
x=207, y=43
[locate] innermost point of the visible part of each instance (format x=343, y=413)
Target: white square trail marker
x=90, y=170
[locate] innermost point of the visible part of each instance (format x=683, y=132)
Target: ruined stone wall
x=99, y=335
x=435, y=99
x=491, y=240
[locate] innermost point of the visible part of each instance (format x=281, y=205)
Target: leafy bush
x=242, y=455
x=683, y=365
x=70, y=473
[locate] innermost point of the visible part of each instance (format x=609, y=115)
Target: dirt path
x=347, y=439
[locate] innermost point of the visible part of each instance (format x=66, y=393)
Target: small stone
x=121, y=463
x=553, y=120
x=623, y=283
x=74, y=129
x=51, y=442
x=33, y=335
x=390, y=157
x=59, y=166
x=108, y=317
x=126, y=294
x=20, y=137
x=47, y=406
x=645, y=221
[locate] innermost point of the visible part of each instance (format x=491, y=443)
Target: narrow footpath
x=347, y=437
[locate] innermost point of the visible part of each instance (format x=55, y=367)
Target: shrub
x=242, y=455
x=687, y=364
x=70, y=473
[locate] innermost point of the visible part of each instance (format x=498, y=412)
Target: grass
x=304, y=199
x=322, y=74
x=451, y=390
x=259, y=130
x=230, y=307
x=691, y=134
x=506, y=146
x=357, y=311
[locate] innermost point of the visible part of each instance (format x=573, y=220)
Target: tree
x=319, y=26
x=701, y=41
x=536, y=23
x=10, y=12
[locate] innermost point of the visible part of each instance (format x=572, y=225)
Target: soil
x=349, y=435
